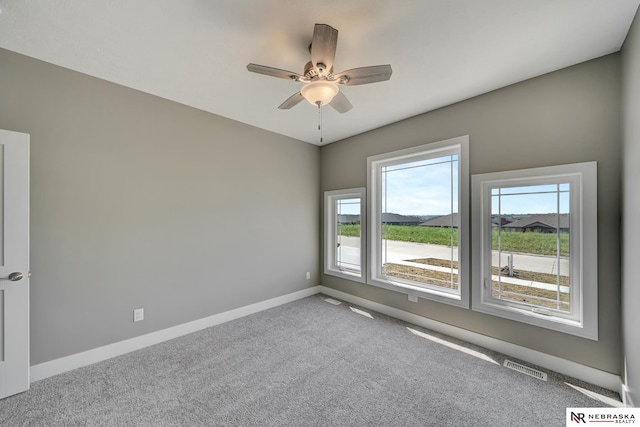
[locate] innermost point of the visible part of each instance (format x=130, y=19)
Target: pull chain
x=320, y=120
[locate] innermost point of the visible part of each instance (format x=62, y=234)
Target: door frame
x=15, y=352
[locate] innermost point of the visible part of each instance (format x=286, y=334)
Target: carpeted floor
x=307, y=363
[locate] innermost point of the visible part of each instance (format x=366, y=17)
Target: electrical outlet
x=308, y=275
x=138, y=314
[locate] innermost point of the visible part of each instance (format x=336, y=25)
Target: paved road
x=404, y=251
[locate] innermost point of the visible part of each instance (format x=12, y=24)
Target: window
x=419, y=221
x=344, y=233
x=535, y=240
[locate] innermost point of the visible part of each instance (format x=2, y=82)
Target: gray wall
x=631, y=207
x=141, y=202
x=137, y=201
x=569, y=116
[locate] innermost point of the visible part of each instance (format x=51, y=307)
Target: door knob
x=14, y=277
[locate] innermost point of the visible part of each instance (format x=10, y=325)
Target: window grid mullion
x=558, y=253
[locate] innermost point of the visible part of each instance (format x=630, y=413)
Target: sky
x=424, y=188
x=531, y=199
x=421, y=188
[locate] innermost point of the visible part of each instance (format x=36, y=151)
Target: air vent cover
x=525, y=370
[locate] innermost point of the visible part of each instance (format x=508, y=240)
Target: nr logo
x=577, y=417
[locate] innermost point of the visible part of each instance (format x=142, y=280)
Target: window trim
x=374, y=166
x=330, y=226
x=583, y=255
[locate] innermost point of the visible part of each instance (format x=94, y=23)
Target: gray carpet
x=307, y=363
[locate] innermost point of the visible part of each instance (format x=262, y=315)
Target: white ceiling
x=196, y=51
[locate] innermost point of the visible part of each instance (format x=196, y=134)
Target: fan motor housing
x=311, y=72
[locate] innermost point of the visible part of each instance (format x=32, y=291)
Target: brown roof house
x=450, y=220
x=542, y=223
x=397, y=219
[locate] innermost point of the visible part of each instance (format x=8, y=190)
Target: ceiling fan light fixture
x=319, y=92
x=320, y=83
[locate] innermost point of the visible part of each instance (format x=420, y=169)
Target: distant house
x=397, y=219
x=450, y=220
x=542, y=223
x=348, y=219
x=501, y=220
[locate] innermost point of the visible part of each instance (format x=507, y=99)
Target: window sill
x=430, y=294
x=355, y=277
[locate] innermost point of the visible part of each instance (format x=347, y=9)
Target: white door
x=14, y=263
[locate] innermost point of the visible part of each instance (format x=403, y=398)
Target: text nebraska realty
x=579, y=417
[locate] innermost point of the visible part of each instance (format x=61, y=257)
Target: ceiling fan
x=321, y=85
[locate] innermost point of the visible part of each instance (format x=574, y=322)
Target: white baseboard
x=554, y=363
x=625, y=393
x=64, y=364
x=557, y=364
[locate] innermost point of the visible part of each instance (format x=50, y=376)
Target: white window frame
x=330, y=235
x=583, y=257
x=458, y=145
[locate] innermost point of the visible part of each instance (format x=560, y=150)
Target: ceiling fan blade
x=292, y=101
x=341, y=103
x=364, y=75
x=274, y=72
x=323, y=47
